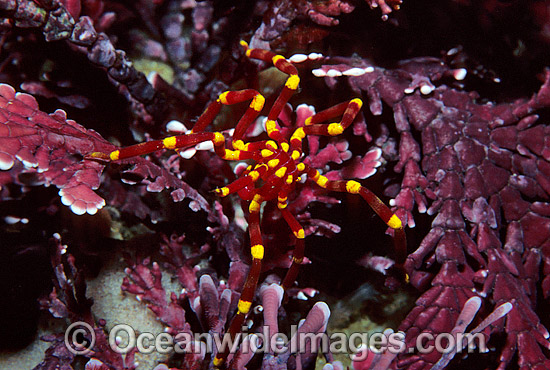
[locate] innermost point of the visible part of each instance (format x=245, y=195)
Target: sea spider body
x=277, y=169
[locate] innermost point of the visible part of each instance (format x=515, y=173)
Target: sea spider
x=277, y=170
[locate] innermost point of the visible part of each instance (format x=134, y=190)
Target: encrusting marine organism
x=277, y=170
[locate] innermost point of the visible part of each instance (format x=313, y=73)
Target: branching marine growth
x=277, y=169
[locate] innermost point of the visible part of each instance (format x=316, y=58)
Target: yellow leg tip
x=217, y=361
x=222, y=192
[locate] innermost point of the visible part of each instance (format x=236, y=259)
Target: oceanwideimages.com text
x=122, y=338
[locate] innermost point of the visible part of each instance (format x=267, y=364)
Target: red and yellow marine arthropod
x=277, y=169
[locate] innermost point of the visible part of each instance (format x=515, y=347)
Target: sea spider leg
x=354, y=187
x=291, y=85
x=298, y=253
x=349, y=111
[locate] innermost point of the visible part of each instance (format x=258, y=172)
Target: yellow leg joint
x=335, y=129
x=169, y=142
x=293, y=82
x=254, y=206
x=254, y=175
x=257, y=103
x=280, y=172
x=298, y=261
x=232, y=154
x=244, y=306
x=266, y=153
x=271, y=144
x=357, y=101
x=285, y=146
x=239, y=144
x=298, y=134
x=301, y=166
x=218, y=139
x=300, y=234
x=353, y=187
x=276, y=58
x=257, y=251
x=114, y=155
x=223, y=97
x=273, y=163
x=295, y=154
x=394, y=222
x=321, y=181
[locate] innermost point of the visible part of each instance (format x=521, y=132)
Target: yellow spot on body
x=295, y=154
x=285, y=146
x=254, y=175
x=353, y=187
x=292, y=82
x=316, y=176
x=223, y=97
x=357, y=101
x=407, y=278
x=266, y=153
x=301, y=166
x=254, y=207
x=244, y=306
x=271, y=144
x=217, y=361
x=394, y=222
x=299, y=178
x=114, y=155
x=257, y=103
x=321, y=181
x=335, y=129
x=289, y=179
x=257, y=251
x=243, y=43
x=248, y=52
x=307, y=122
x=276, y=58
x=169, y=142
x=222, y=191
x=298, y=261
x=298, y=134
x=218, y=138
x=280, y=172
x=273, y=163
x=300, y=234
